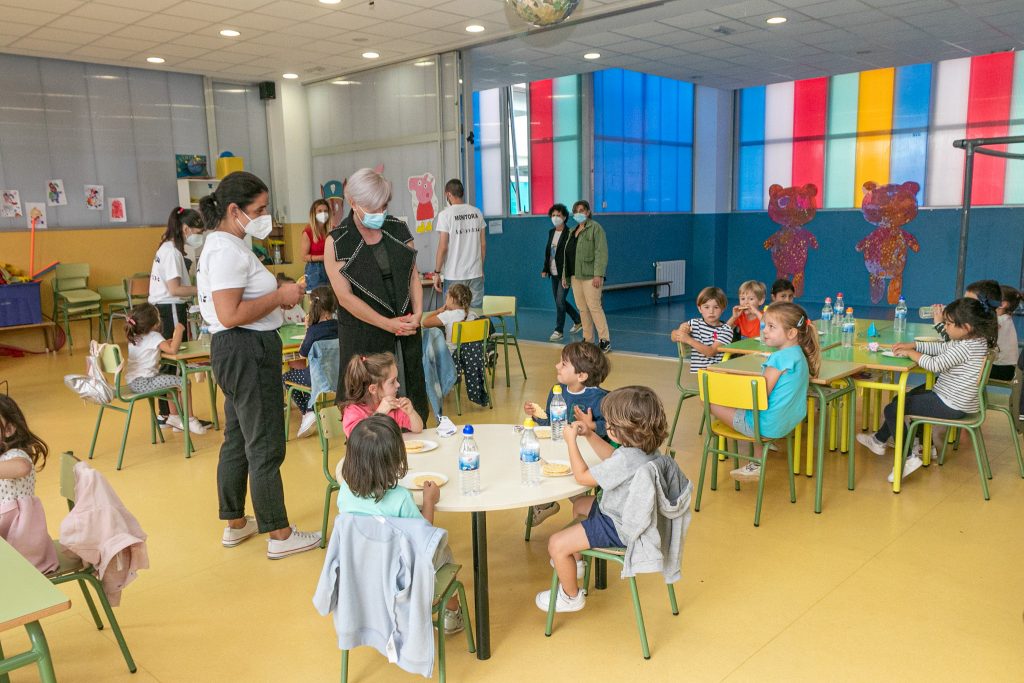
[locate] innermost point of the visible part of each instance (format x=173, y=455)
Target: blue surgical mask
x=580, y=218
x=374, y=221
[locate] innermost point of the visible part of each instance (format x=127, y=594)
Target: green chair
x=329, y=427
x=446, y=584
x=686, y=382
x=468, y=333
x=498, y=307
x=72, y=298
x=73, y=568
x=971, y=423
x=613, y=555
x=742, y=392
x=1004, y=397
x=133, y=291
x=111, y=363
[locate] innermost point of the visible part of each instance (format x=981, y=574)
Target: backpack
x=93, y=386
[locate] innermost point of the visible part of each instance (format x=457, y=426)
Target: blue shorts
x=740, y=424
x=600, y=529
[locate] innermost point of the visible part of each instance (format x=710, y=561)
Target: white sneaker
x=912, y=464
x=195, y=426
x=542, y=512
x=233, y=537
x=581, y=568
x=563, y=603
x=576, y=328
x=298, y=542
x=308, y=424
x=556, y=336
x=453, y=621
x=918, y=452
x=174, y=422
x=749, y=472
x=871, y=443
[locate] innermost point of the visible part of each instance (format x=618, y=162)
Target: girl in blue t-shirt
x=786, y=373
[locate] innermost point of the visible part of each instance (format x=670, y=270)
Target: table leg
x=600, y=574
x=810, y=436
x=42, y=651
x=901, y=405
x=798, y=446
x=185, y=407
x=822, y=411
x=926, y=432
x=480, y=588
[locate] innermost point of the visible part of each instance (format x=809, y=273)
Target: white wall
x=290, y=153
x=712, y=149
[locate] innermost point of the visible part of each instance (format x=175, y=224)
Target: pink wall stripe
x=810, y=113
x=988, y=111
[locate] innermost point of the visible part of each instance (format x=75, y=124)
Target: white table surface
x=500, y=487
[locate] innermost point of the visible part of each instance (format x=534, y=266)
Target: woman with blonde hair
x=314, y=237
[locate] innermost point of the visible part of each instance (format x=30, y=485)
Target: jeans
x=438, y=367
x=920, y=401
x=476, y=286
x=316, y=275
x=562, y=304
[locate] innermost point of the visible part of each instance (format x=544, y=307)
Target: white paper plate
x=298, y=337
x=928, y=339
x=558, y=462
x=889, y=354
x=409, y=480
x=428, y=445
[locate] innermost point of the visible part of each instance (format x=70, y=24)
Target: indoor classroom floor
x=924, y=585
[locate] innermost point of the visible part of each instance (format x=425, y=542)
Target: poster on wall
x=11, y=204
x=94, y=197
x=55, y=195
x=36, y=212
x=422, y=189
x=118, y=213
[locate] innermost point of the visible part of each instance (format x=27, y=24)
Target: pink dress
x=22, y=519
x=357, y=412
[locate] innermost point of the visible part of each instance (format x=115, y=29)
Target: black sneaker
x=605, y=345
x=206, y=423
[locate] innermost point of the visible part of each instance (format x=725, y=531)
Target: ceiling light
x=776, y=20
x=425, y=62
x=371, y=55
x=290, y=76
x=592, y=55
x=344, y=82
x=475, y=28
x=229, y=33
x=330, y=2
x=155, y=60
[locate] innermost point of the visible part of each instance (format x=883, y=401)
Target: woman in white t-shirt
x=241, y=302
x=438, y=345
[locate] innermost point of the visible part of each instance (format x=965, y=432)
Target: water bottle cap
x=840, y=294
x=849, y=310
x=468, y=430
x=529, y=424
x=902, y=299
x=828, y=299
x=557, y=389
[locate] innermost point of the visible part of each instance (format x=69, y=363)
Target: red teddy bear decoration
x=889, y=207
x=792, y=208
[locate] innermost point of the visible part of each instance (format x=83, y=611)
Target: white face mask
x=557, y=221
x=258, y=227
x=195, y=240
x=322, y=216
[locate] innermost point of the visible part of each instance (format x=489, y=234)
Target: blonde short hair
x=368, y=189
x=756, y=288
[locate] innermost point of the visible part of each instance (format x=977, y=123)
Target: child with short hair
x=142, y=371
x=321, y=325
x=22, y=518
x=787, y=372
x=375, y=461
x=1005, y=365
x=371, y=386
x=439, y=368
x=746, y=317
x=707, y=334
x=783, y=290
x=636, y=420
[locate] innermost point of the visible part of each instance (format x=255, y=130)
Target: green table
x=26, y=596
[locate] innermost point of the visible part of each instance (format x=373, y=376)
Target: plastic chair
x=498, y=307
x=328, y=366
x=472, y=332
x=72, y=568
x=134, y=290
x=742, y=392
x=72, y=298
x=111, y=364
x=1009, y=406
x=330, y=426
x=686, y=382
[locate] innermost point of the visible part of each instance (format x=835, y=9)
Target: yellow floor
x=925, y=585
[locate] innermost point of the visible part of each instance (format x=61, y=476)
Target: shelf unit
x=191, y=190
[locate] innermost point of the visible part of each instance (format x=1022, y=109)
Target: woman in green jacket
x=585, y=264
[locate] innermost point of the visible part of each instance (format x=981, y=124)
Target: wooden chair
x=498, y=307
x=474, y=331
x=72, y=298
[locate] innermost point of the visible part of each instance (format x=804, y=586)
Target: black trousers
x=170, y=315
x=247, y=365
x=920, y=401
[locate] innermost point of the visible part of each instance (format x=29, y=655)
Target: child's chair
x=498, y=307
x=111, y=363
x=324, y=359
x=467, y=357
x=72, y=298
x=331, y=429
x=1004, y=397
x=72, y=568
x=686, y=382
x=134, y=290
x=742, y=392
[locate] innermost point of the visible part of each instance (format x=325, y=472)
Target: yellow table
x=26, y=596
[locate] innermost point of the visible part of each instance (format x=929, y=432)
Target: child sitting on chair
x=438, y=344
x=320, y=326
x=371, y=386
x=747, y=316
x=707, y=334
x=783, y=290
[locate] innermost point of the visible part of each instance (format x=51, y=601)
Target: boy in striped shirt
x=707, y=334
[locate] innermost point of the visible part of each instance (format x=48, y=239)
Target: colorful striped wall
x=885, y=125
x=554, y=142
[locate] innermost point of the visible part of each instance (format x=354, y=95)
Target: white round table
x=500, y=489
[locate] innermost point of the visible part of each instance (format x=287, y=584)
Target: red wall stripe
x=810, y=116
x=542, y=161
x=988, y=113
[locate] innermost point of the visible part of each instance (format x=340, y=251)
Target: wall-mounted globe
x=543, y=13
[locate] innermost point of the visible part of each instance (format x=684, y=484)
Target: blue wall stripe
x=911, y=102
x=750, y=167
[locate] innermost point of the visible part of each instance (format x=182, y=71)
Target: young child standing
x=1005, y=364
x=371, y=386
x=438, y=345
x=22, y=519
x=972, y=329
x=636, y=420
x=783, y=291
x=142, y=371
x=707, y=334
x=375, y=461
x=786, y=372
x=320, y=325
x=747, y=316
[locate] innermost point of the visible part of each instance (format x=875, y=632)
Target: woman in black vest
x=371, y=263
x=554, y=255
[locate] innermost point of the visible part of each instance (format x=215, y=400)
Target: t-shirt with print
x=357, y=412
x=787, y=403
x=169, y=263
x=449, y=318
x=144, y=357
x=465, y=226
x=397, y=502
x=228, y=263
x=556, y=235
x=708, y=335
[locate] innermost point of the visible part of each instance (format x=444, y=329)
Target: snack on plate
x=424, y=478
x=538, y=411
x=542, y=432
x=554, y=469
x=414, y=446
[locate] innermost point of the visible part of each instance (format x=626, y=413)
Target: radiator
x=674, y=272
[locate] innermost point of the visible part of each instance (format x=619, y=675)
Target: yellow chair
x=72, y=298
x=498, y=307
x=474, y=331
x=745, y=392
x=330, y=427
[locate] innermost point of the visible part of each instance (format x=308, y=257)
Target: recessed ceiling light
x=290, y=76
x=155, y=60
x=592, y=55
x=329, y=2
x=344, y=82
x=229, y=33
x=425, y=62
x=475, y=28
x=371, y=55
x=776, y=20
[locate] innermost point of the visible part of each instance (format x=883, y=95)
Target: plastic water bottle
x=826, y=316
x=529, y=455
x=899, y=321
x=558, y=412
x=840, y=309
x=469, y=463
x=849, y=327
x=760, y=335
x=204, y=337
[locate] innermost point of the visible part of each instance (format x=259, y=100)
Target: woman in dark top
x=371, y=264
x=554, y=254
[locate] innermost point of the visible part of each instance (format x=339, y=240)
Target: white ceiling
x=724, y=45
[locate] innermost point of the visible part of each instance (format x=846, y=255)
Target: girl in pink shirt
x=371, y=386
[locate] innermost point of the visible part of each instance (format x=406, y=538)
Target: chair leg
x=675, y=420
x=464, y=604
x=96, y=432
x=979, y=455
x=92, y=606
x=173, y=397
x=529, y=523
x=640, y=618
x=344, y=666
x=124, y=436
x=672, y=599
x=703, y=470
x=112, y=620
x=440, y=642
x=760, y=486
x=588, y=564
x=458, y=392
x=553, y=596
x=288, y=412
x=152, y=421
x=1016, y=440
x=212, y=386
x=522, y=366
